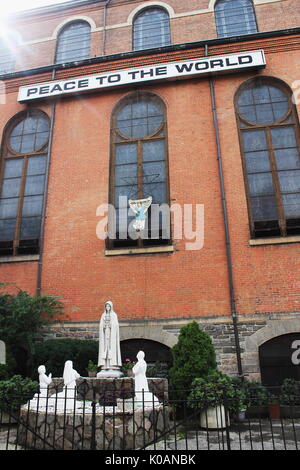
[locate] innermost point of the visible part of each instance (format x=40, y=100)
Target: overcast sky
x=11, y=6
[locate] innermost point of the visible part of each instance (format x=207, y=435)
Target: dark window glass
x=269, y=131
x=7, y=62
x=235, y=18
x=151, y=28
x=74, y=42
x=139, y=167
x=22, y=186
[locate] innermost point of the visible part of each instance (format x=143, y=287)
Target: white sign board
x=175, y=70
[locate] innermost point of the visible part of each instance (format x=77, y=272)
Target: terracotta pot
x=274, y=410
x=92, y=373
x=129, y=373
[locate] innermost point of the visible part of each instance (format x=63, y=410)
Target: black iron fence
x=68, y=421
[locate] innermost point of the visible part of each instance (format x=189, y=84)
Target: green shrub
x=213, y=390
x=256, y=393
x=290, y=392
x=53, y=354
x=4, y=372
x=16, y=392
x=193, y=357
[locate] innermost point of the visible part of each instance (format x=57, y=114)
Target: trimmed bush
x=53, y=354
x=16, y=392
x=193, y=356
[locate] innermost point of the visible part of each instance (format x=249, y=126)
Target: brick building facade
x=227, y=141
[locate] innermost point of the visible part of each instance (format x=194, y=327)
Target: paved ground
x=260, y=435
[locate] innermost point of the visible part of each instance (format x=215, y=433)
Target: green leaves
x=193, y=357
x=16, y=392
x=22, y=317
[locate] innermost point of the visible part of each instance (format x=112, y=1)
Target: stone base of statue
x=106, y=415
x=111, y=373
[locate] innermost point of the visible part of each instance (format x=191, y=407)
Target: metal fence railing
x=67, y=421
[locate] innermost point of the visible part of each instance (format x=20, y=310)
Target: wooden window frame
x=248, y=125
x=110, y=244
x=7, y=153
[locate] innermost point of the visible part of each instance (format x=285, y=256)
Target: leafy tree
x=22, y=317
x=193, y=356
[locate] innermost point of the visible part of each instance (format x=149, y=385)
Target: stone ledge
x=140, y=251
x=274, y=241
x=19, y=259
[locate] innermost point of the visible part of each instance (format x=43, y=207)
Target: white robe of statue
x=44, y=381
x=143, y=397
x=67, y=398
x=109, y=339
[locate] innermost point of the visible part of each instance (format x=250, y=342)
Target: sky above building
x=11, y=6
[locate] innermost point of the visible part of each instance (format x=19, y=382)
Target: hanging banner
x=175, y=70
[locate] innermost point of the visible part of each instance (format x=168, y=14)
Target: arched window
x=73, y=42
x=23, y=168
x=269, y=138
x=139, y=167
x=151, y=28
x=235, y=18
x=8, y=43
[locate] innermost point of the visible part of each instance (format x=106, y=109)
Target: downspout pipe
x=226, y=225
x=42, y=234
x=104, y=26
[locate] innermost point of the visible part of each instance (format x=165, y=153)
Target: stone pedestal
x=95, y=422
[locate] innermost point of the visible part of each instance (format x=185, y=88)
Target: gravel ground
x=261, y=435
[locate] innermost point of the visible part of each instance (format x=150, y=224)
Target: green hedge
x=53, y=354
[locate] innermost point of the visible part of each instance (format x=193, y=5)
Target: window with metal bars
x=269, y=139
x=139, y=168
x=151, y=28
x=23, y=169
x=73, y=42
x=235, y=18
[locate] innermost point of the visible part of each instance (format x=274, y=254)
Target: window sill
x=274, y=241
x=140, y=251
x=19, y=258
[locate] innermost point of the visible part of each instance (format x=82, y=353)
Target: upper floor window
x=269, y=135
x=139, y=168
x=235, y=18
x=6, y=59
x=73, y=42
x=151, y=28
x=23, y=169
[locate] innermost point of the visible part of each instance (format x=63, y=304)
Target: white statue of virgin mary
x=109, y=357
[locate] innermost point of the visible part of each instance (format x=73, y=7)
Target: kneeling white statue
x=143, y=397
x=67, y=398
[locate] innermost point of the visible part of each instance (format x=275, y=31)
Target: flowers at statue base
x=128, y=364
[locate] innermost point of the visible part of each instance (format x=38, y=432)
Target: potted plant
x=92, y=369
x=127, y=367
x=212, y=394
x=290, y=398
x=257, y=397
x=274, y=406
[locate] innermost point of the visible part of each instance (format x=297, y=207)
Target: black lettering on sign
x=114, y=78
x=202, y=65
x=230, y=64
x=184, y=67
x=32, y=91
x=150, y=73
x=216, y=63
x=245, y=59
x=101, y=79
x=133, y=74
x=44, y=89
x=56, y=87
x=69, y=85
x=83, y=83
x=161, y=71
